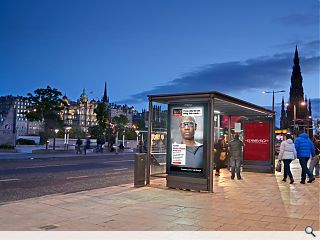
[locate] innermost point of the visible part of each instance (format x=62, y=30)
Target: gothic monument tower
x=297, y=117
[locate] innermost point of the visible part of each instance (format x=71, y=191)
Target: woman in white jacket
x=287, y=154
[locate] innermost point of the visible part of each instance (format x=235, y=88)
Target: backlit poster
x=257, y=141
x=186, y=144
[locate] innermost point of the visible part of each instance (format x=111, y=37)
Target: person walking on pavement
x=220, y=154
x=304, y=148
x=287, y=154
x=314, y=164
x=235, y=150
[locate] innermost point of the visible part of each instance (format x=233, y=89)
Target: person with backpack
x=305, y=149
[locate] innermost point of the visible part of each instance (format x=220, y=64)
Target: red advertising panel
x=257, y=141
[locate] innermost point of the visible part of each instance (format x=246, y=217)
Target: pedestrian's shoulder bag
x=278, y=167
x=223, y=156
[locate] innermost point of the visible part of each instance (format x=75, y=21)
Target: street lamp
x=124, y=131
x=295, y=116
x=66, y=137
x=54, y=138
x=273, y=92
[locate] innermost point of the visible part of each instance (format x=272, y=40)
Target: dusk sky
x=145, y=47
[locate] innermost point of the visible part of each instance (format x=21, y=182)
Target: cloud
x=300, y=19
x=255, y=74
x=311, y=48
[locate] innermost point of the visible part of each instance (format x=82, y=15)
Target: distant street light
x=54, y=138
x=273, y=92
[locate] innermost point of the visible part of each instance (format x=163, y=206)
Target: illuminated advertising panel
x=257, y=141
x=187, y=138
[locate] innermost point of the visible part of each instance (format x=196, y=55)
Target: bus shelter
x=186, y=159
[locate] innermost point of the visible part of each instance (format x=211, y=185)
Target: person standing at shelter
x=304, y=148
x=314, y=164
x=287, y=154
x=194, y=149
x=220, y=154
x=235, y=150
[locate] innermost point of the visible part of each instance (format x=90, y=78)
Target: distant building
x=8, y=128
x=20, y=104
x=80, y=113
x=296, y=114
x=116, y=110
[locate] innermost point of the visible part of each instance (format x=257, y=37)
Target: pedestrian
x=78, y=146
x=287, y=154
x=304, y=148
x=99, y=145
x=314, y=164
x=121, y=147
x=235, y=151
x=141, y=146
x=220, y=154
x=87, y=146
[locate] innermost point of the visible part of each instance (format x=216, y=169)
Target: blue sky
x=158, y=46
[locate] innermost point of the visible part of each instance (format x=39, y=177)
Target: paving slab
x=259, y=202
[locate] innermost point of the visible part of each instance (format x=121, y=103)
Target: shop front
x=191, y=123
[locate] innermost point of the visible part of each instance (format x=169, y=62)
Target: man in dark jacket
x=235, y=149
x=304, y=148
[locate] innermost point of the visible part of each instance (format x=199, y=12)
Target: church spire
x=296, y=57
x=310, y=109
x=283, y=123
x=105, y=98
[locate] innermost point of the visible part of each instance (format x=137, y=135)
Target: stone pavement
x=258, y=202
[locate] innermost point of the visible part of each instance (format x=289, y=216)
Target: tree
x=130, y=134
x=121, y=121
x=103, y=121
x=140, y=124
x=96, y=132
x=45, y=105
x=102, y=115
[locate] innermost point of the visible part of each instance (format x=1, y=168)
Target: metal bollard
x=140, y=169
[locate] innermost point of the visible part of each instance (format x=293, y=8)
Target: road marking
x=44, y=166
x=9, y=180
x=77, y=177
x=120, y=169
x=119, y=161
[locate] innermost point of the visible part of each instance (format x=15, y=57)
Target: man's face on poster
x=187, y=127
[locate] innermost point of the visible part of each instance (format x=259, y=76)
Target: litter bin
x=139, y=169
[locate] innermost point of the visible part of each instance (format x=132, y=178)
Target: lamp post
x=66, y=138
x=54, y=138
x=109, y=126
x=295, y=117
x=273, y=92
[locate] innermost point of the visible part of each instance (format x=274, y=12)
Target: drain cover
x=48, y=227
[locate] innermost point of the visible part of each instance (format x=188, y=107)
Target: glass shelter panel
x=159, y=139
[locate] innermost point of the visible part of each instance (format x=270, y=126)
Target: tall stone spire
x=105, y=97
x=296, y=88
x=283, y=119
x=296, y=93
